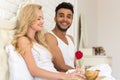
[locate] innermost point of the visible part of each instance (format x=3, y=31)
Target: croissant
x=91, y=74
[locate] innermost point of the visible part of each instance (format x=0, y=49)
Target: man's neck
x=61, y=35
x=59, y=32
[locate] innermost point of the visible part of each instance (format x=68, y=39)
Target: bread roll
x=91, y=74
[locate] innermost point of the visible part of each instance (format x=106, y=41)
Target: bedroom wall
x=109, y=30
x=101, y=18
x=88, y=10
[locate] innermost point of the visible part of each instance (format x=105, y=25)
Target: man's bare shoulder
x=49, y=36
x=70, y=36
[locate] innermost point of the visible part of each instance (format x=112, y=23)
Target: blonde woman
x=29, y=41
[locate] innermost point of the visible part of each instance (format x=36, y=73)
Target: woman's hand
x=73, y=74
x=77, y=75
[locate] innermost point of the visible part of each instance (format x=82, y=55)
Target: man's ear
x=55, y=18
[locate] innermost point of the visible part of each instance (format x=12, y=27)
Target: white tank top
x=68, y=51
x=42, y=58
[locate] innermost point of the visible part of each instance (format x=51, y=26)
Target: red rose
x=78, y=54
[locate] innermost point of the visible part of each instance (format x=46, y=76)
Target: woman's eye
x=40, y=18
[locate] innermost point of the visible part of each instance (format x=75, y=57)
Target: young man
x=60, y=43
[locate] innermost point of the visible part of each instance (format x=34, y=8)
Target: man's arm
x=58, y=59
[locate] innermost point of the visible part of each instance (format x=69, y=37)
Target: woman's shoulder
x=23, y=40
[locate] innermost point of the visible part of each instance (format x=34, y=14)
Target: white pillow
x=17, y=66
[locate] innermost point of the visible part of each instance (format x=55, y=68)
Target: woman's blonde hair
x=26, y=17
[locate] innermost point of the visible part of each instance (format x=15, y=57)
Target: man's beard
x=64, y=30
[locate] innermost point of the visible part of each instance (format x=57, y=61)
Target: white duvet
x=105, y=70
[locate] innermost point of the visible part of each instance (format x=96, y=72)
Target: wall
x=108, y=31
x=88, y=10
x=101, y=18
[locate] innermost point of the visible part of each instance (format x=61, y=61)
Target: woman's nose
x=42, y=21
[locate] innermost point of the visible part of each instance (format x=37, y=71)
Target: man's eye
x=69, y=17
x=61, y=16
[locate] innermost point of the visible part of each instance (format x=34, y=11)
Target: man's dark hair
x=64, y=5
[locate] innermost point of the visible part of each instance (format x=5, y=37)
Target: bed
x=8, y=17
